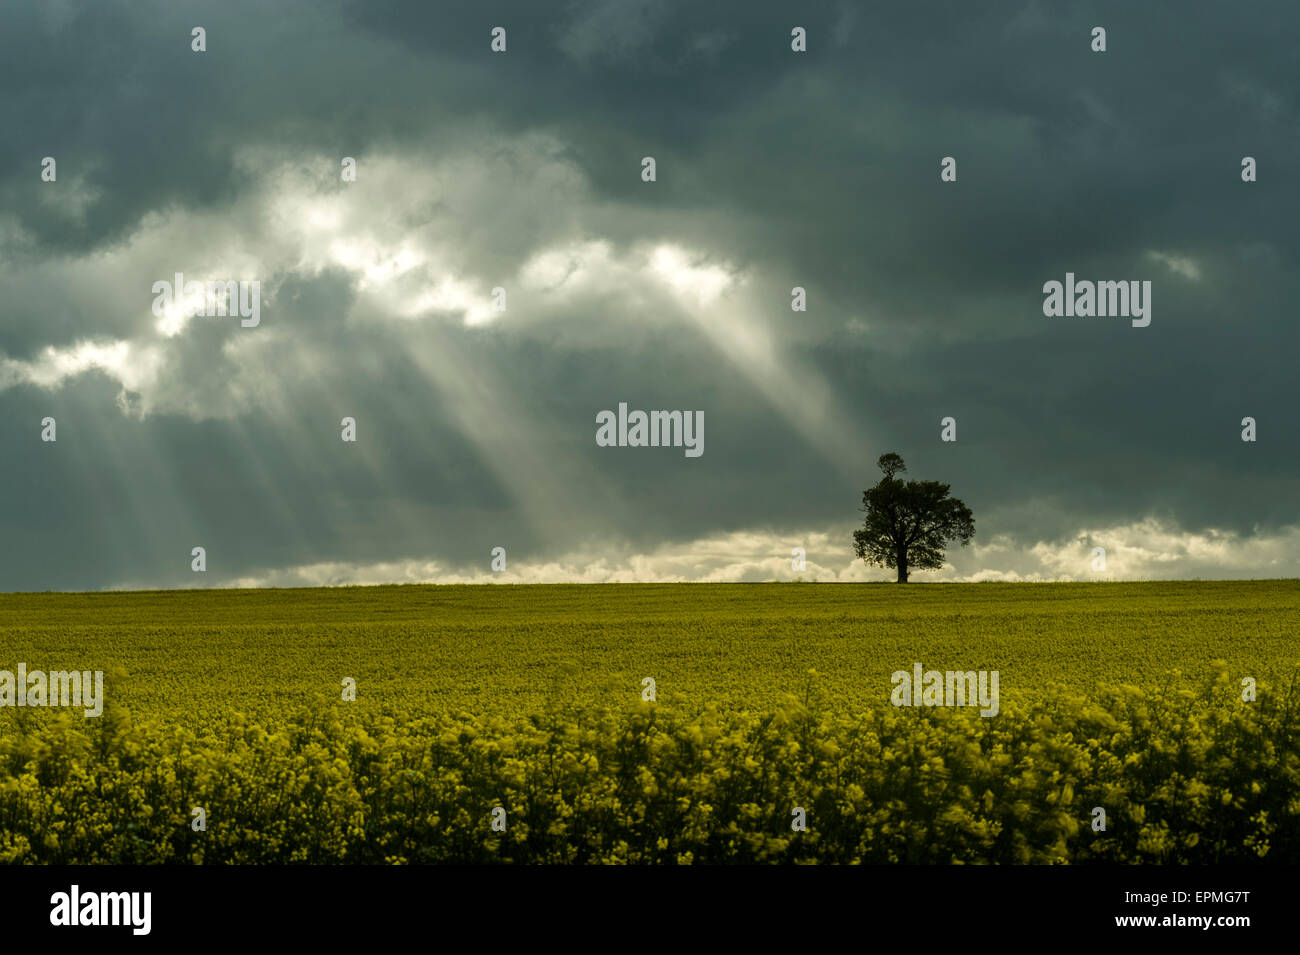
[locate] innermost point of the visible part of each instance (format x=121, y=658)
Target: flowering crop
x=1184, y=776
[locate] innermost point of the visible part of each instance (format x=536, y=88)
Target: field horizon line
x=484, y=585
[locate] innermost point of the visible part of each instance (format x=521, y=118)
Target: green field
x=524, y=703
x=192, y=655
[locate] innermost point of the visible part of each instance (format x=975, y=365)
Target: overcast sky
x=522, y=170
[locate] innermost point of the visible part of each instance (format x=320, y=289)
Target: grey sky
x=476, y=429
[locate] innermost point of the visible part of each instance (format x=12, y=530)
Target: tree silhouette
x=909, y=523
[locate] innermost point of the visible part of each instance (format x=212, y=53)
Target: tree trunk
x=902, y=566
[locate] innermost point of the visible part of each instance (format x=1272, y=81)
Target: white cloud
x=133, y=366
x=1139, y=551
x=1178, y=264
x=700, y=283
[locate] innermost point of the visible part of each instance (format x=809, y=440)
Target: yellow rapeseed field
x=511, y=724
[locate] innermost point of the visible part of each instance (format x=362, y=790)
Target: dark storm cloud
x=819, y=170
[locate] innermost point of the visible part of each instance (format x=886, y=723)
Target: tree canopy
x=910, y=523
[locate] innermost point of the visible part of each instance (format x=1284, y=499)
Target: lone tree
x=909, y=523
